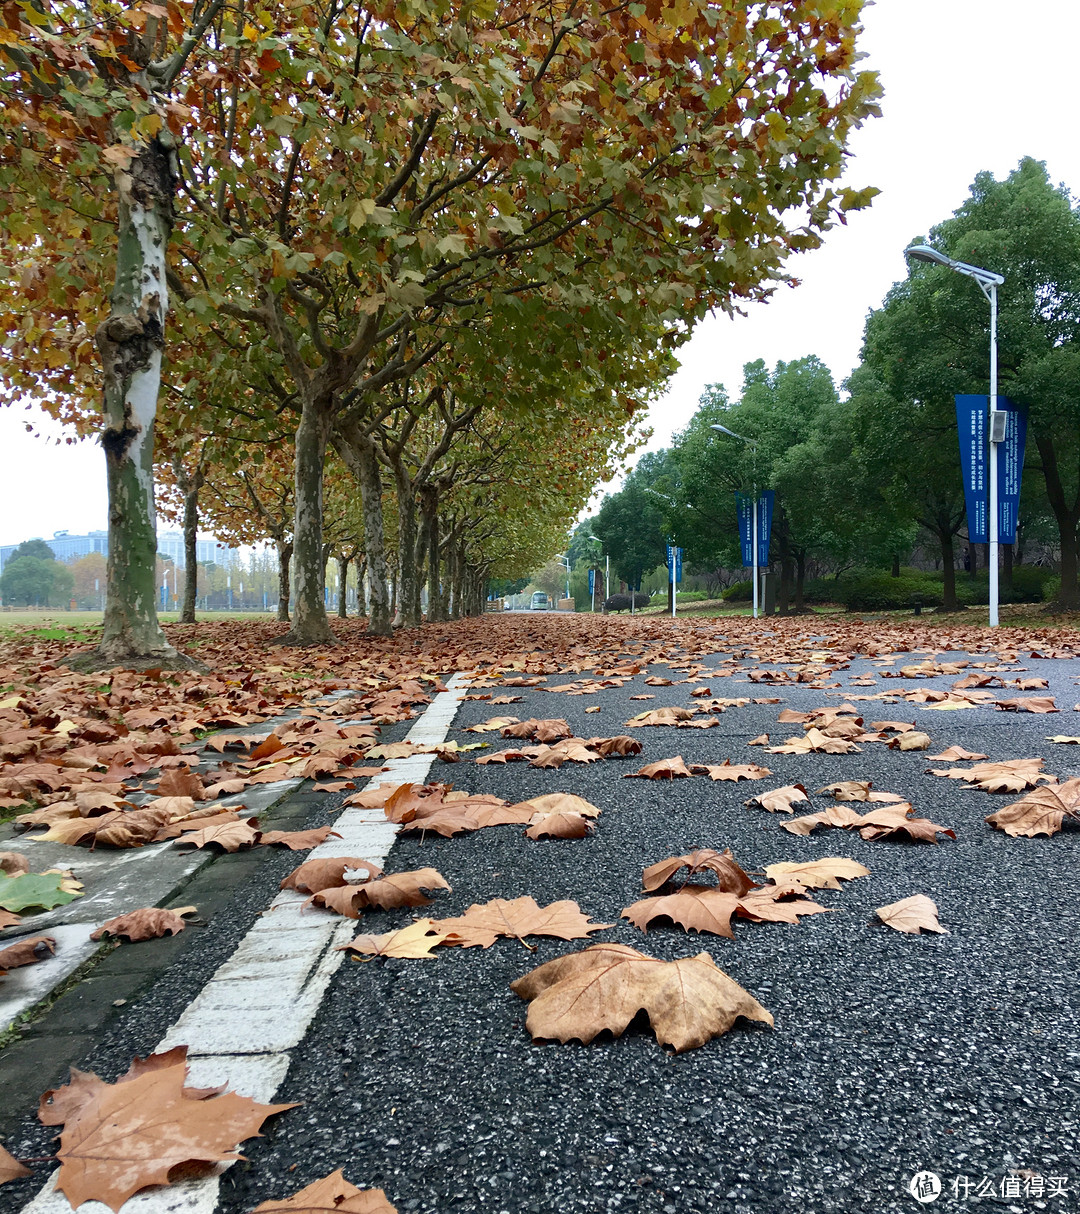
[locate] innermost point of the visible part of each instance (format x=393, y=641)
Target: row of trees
x=870, y=478
x=392, y=280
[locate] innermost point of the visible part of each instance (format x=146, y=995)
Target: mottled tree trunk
x=800, y=580
x=130, y=341
x=948, y=565
x=310, y=625
x=191, y=563
x=896, y=564
x=343, y=587
x=436, y=602
x=370, y=478
x=284, y=556
x=407, y=614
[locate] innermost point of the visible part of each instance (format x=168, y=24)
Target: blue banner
x=1010, y=469
x=744, y=507
x=674, y=554
x=592, y=582
x=764, y=527
x=971, y=421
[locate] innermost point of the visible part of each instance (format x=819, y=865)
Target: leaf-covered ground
x=891, y=1052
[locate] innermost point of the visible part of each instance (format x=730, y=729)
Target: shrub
x=739, y=592
x=878, y=590
x=621, y=602
x=1051, y=587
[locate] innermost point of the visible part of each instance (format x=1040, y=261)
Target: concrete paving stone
x=27, y=1067
x=88, y=1005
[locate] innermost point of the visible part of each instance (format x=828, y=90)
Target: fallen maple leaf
x=911, y=915
x=1012, y=776
x=621, y=744
x=325, y=872
x=12, y=863
x=121, y=828
x=603, y=987
x=731, y=771
x=780, y=800
x=662, y=769
x=857, y=790
x=1041, y=812
x=383, y=893
x=1028, y=704
x=517, y=918
x=298, y=840
x=229, y=836
x=561, y=803
x=134, y=1133
x=493, y=724
x=331, y=1195
x=911, y=741
x=147, y=923
x=729, y=876
x=560, y=826
x=958, y=754
x=831, y=815
x=817, y=874
x=1060, y=738
x=894, y=820
x=49, y=889
x=27, y=951
x=548, y=730
x=415, y=941
x=660, y=716
x=815, y=741
x=10, y=1168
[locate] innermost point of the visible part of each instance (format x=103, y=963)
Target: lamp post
x=988, y=283
x=564, y=560
x=752, y=444
x=671, y=555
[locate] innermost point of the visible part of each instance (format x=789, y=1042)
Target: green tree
x=36, y=548
x=930, y=339
x=31, y=581
x=631, y=524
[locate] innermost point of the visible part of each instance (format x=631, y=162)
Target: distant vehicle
x=539, y=601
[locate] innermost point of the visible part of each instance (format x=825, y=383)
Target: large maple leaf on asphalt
x=660, y=716
x=605, y=986
x=415, y=941
x=382, y=893
x=662, y=769
x=817, y=874
x=1028, y=704
x=831, y=815
x=912, y=915
x=517, y=918
x=857, y=790
x=331, y=1195
x=124, y=1136
x=780, y=800
x=560, y=826
x=548, y=730
x=814, y=741
x=733, y=772
x=729, y=876
x=704, y=908
x=895, y=820
x=1013, y=775
x=1041, y=812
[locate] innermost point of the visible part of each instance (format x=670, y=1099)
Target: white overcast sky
x=969, y=85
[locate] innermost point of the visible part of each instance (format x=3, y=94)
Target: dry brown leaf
x=12, y=863
x=1028, y=704
x=147, y=923
x=121, y=828
x=911, y=915
x=298, y=840
x=729, y=876
x=7, y=919
x=517, y=918
x=560, y=826
x=181, y=782
x=561, y=803
x=857, y=790
x=605, y=986
x=620, y=745
x=125, y=1136
x=326, y=872
x=817, y=874
x=894, y=820
x=331, y=1195
x=733, y=772
x=832, y=815
x=957, y=754
x=760, y=740
x=27, y=951
x=545, y=731
x=1041, y=812
x=662, y=769
x=780, y=800
x=229, y=836
x=815, y=741
x=704, y=908
x=1012, y=776
x=914, y=740
x=10, y=1168
x=660, y=716
x=493, y=724
x=415, y=941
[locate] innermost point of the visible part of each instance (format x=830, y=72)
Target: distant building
x=68, y=548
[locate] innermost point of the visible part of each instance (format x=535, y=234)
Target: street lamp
x=996, y=420
x=752, y=444
x=564, y=560
x=671, y=556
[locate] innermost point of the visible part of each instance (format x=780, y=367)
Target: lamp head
x=923, y=252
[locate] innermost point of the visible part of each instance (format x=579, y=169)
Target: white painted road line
x=257, y=1007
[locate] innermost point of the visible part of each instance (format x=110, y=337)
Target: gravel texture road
x=891, y=1054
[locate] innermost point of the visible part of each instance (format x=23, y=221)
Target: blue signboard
x=1010, y=469
x=971, y=419
x=592, y=582
x=744, y=507
x=674, y=554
